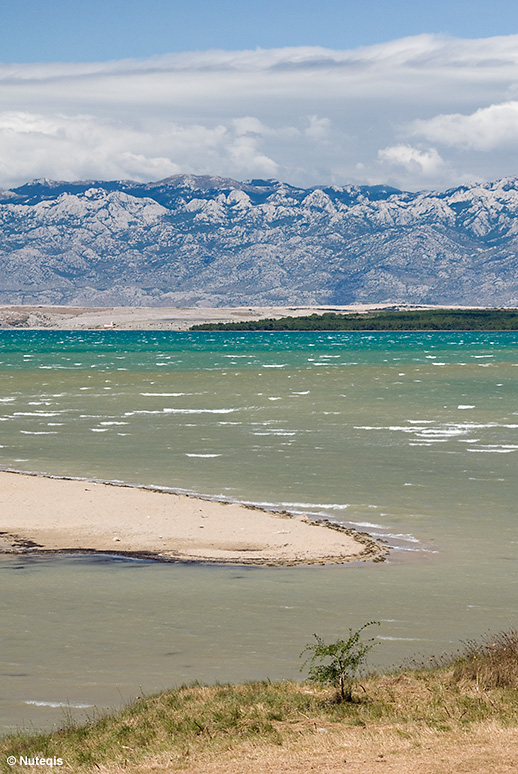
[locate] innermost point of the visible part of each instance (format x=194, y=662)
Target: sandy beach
x=70, y=516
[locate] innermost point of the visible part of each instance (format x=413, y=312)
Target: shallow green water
x=412, y=437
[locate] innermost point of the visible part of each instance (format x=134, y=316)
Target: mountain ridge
x=199, y=240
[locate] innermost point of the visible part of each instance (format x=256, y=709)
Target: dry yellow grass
x=460, y=717
x=485, y=748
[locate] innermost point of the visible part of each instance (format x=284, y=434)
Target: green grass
x=479, y=683
x=384, y=320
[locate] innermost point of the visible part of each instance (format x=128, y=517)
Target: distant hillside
x=208, y=241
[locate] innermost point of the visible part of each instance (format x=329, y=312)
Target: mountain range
x=209, y=241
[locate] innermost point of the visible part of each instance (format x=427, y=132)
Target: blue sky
x=418, y=95
x=86, y=30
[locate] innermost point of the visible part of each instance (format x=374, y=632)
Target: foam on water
x=494, y=449
x=39, y=432
x=206, y=456
x=167, y=394
x=57, y=704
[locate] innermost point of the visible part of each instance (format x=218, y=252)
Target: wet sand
x=41, y=514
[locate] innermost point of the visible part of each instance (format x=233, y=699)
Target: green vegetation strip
x=385, y=320
x=477, y=684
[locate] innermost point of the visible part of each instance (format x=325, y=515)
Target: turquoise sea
x=412, y=437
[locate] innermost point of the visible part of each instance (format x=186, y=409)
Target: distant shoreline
x=49, y=317
x=381, y=321
x=44, y=514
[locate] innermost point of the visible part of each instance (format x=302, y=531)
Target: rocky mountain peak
x=213, y=241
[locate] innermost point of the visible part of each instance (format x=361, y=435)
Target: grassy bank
x=384, y=320
x=459, y=715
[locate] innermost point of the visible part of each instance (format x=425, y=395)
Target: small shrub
x=338, y=663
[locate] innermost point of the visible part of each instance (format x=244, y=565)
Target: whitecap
x=37, y=413
x=57, y=704
x=402, y=536
x=133, y=413
x=39, y=432
x=305, y=506
x=203, y=455
x=367, y=524
x=180, y=411
x=439, y=432
x=165, y=394
x=490, y=449
x=199, y=411
x=399, y=639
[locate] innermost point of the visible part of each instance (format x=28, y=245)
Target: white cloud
x=248, y=125
x=318, y=128
x=71, y=147
x=484, y=130
x=74, y=147
x=308, y=115
x=427, y=163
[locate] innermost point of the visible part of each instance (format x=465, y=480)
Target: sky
x=417, y=95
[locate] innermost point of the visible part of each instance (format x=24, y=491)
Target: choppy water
x=411, y=436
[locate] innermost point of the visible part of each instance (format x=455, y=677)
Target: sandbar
x=58, y=515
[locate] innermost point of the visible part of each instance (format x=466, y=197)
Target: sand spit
x=162, y=318
x=40, y=514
